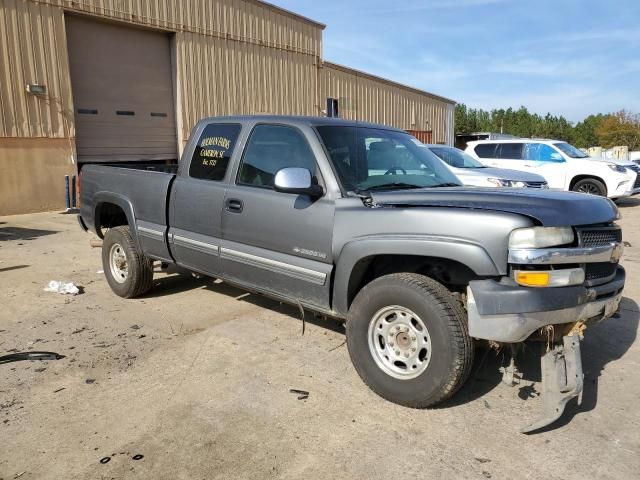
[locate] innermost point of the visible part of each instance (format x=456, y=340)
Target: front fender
x=470, y=254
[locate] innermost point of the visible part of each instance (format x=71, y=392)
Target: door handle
x=234, y=205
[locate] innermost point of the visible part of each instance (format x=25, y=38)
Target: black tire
x=446, y=322
x=591, y=186
x=139, y=275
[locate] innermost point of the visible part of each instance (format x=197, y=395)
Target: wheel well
x=454, y=275
x=577, y=178
x=109, y=215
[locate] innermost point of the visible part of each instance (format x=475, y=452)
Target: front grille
x=537, y=184
x=636, y=168
x=599, y=271
x=594, y=237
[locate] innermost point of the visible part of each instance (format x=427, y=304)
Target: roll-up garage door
x=122, y=92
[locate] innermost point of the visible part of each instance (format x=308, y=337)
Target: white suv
x=561, y=164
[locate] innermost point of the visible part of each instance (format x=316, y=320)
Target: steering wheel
x=394, y=171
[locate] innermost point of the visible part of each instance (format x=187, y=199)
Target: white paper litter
x=100, y=271
x=58, y=286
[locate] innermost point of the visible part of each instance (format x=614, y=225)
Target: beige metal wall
x=221, y=77
x=270, y=44
x=248, y=21
x=33, y=50
x=33, y=171
x=369, y=98
x=231, y=56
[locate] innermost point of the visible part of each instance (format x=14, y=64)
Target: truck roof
x=298, y=120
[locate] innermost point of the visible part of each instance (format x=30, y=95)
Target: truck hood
x=550, y=208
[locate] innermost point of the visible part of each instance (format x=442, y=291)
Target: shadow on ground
x=19, y=233
x=180, y=280
x=604, y=342
x=628, y=202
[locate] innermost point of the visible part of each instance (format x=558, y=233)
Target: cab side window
x=213, y=151
x=271, y=148
x=510, y=151
x=540, y=152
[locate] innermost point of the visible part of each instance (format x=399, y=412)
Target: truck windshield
x=367, y=159
x=570, y=150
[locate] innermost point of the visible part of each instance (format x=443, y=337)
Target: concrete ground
x=196, y=376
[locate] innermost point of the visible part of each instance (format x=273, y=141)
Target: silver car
x=471, y=172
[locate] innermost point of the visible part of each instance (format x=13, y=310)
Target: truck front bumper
x=510, y=313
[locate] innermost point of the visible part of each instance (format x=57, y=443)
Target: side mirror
x=556, y=157
x=296, y=180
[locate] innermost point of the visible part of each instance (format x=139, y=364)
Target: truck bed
x=140, y=191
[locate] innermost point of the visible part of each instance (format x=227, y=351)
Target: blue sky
x=567, y=57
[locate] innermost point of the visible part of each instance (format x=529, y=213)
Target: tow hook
x=562, y=380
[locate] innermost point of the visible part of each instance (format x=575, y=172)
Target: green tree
x=584, y=133
x=621, y=128
x=520, y=122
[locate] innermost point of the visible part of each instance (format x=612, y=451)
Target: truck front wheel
x=128, y=272
x=408, y=340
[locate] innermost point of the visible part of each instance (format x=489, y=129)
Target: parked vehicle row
x=471, y=172
x=562, y=165
x=361, y=223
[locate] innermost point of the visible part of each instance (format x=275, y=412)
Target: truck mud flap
x=562, y=380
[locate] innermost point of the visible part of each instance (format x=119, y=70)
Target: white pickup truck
x=563, y=166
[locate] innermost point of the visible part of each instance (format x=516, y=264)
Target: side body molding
x=470, y=254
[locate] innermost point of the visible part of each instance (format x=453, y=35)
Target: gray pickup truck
x=357, y=222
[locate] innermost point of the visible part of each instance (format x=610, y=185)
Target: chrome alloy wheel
x=118, y=263
x=399, y=342
x=589, y=188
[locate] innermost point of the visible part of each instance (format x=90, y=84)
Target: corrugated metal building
x=127, y=80
x=362, y=96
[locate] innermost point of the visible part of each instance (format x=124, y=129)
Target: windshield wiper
x=392, y=186
x=449, y=184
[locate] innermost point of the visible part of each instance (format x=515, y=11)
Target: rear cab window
x=212, y=154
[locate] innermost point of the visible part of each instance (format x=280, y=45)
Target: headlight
x=501, y=182
x=498, y=182
x=617, y=168
x=540, y=237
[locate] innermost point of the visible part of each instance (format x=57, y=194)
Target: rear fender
x=125, y=204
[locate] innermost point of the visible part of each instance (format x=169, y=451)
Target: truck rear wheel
x=408, y=340
x=128, y=272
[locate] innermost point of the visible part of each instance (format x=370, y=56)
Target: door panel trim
x=301, y=273
x=195, y=244
x=151, y=233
